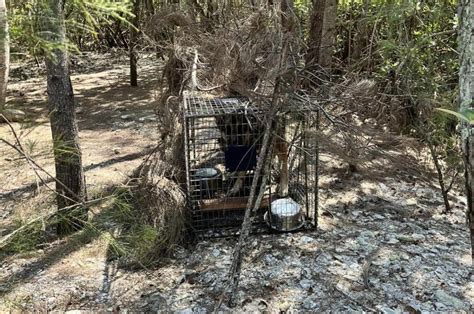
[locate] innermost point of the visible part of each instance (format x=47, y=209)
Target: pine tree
x=70, y=185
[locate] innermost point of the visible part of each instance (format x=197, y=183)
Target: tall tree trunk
x=466, y=89
x=4, y=54
x=70, y=184
x=321, y=35
x=133, y=43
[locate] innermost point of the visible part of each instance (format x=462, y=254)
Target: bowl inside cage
x=284, y=215
x=210, y=181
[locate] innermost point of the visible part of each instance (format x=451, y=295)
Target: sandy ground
x=116, y=127
x=383, y=247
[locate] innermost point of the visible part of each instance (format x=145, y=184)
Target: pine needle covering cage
x=222, y=142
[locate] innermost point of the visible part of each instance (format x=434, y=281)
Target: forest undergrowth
x=113, y=263
x=382, y=79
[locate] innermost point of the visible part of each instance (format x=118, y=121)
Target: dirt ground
x=381, y=246
x=116, y=122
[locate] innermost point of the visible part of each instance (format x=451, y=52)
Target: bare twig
x=450, y=186
x=33, y=164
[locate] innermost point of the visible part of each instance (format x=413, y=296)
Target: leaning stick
x=253, y=203
x=235, y=269
x=234, y=273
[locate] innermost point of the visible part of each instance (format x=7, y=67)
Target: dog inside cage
x=223, y=140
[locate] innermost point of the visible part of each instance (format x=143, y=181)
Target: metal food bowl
x=285, y=215
x=210, y=181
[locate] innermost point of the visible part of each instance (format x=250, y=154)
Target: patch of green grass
x=134, y=240
x=119, y=220
x=27, y=240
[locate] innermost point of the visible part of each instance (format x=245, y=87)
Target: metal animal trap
x=223, y=139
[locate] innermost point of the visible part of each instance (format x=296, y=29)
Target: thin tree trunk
x=4, y=54
x=315, y=31
x=67, y=152
x=133, y=43
x=466, y=86
x=439, y=170
x=321, y=35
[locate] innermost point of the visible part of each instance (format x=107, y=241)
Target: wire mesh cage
x=223, y=139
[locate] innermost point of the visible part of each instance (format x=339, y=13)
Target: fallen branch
x=253, y=202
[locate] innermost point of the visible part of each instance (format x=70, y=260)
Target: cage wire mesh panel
x=300, y=134
x=223, y=138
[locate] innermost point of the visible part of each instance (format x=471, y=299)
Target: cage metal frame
x=204, y=123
